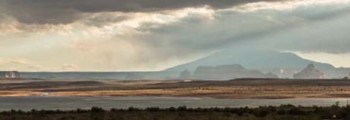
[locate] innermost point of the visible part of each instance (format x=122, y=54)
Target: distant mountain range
x=223, y=72
x=283, y=64
x=222, y=65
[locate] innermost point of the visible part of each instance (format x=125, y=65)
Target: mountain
x=310, y=72
x=283, y=64
x=224, y=72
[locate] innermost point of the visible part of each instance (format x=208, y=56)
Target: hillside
x=283, y=64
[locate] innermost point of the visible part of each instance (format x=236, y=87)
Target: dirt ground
x=238, y=89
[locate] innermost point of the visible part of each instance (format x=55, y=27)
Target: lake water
x=69, y=103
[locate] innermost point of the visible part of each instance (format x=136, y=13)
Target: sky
x=150, y=35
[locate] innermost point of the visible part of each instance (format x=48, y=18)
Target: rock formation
x=226, y=72
x=185, y=74
x=310, y=72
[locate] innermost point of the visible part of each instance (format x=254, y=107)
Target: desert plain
x=232, y=89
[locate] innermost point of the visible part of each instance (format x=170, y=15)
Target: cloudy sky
x=139, y=35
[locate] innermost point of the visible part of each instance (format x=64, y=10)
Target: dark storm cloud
x=66, y=11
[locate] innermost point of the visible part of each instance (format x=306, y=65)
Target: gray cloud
x=66, y=11
x=309, y=29
x=138, y=41
x=300, y=29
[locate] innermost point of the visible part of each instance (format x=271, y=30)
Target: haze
x=150, y=35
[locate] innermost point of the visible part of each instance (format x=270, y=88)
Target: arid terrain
x=239, y=89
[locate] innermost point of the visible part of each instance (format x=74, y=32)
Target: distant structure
x=310, y=72
x=9, y=75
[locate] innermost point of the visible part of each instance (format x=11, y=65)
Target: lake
x=70, y=103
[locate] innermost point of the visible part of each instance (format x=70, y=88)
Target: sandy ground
x=239, y=89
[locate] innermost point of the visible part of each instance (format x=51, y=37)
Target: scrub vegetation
x=283, y=112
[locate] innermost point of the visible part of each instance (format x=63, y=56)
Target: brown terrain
x=238, y=89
